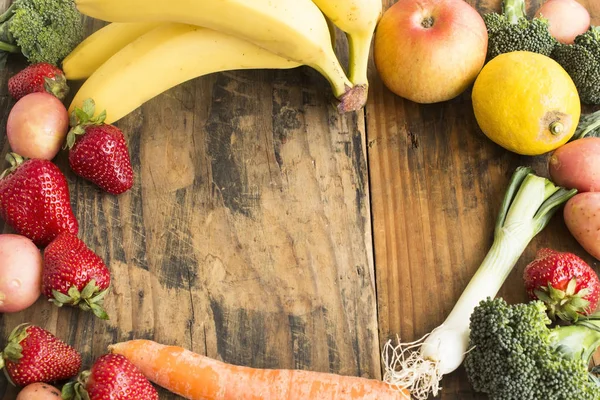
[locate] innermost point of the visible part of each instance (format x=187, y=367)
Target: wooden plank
x=247, y=235
x=436, y=187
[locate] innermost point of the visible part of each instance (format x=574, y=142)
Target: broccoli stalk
x=514, y=10
x=512, y=31
x=516, y=356
x=42, y=30
x=581, y=60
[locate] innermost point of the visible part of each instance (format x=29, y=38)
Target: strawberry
x=74, y=275
x=35, y=201
x=100, y=154
x=42, y=77
x=566, y=283
x=35, y=355
x=112, y=377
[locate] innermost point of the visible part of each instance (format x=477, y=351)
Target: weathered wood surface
x=436, y=186
x=247, y=235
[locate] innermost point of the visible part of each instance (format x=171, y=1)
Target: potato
x=582, y=217
x=20, y=273
x=39, y=391
x=576, y=165
x=567, y=19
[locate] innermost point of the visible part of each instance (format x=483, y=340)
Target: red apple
x=429, y=51
x=567, y=19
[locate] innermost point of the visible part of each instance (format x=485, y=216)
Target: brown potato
x=582, y=217
x=576, y=165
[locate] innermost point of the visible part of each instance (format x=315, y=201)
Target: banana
x=100, y=46
x=293, y=29
x=358, y=18
x=163, y=58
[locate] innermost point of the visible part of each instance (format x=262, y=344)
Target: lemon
x=526, y=102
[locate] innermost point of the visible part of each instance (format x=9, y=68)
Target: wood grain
x=436, y=186
x=247, y=235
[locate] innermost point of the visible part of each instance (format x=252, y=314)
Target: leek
x=529, y=204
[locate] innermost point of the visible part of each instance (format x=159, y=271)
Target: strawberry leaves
x=57, y=86
x=91, y=298
x=13, y=350
x=82, y=118
x=76, y=390
x=567, y=304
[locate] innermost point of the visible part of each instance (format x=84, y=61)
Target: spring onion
x=529, y=204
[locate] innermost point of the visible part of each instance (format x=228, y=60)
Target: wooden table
x=266, y=230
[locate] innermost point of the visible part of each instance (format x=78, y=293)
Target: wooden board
x=436, y=186
x=247, y=235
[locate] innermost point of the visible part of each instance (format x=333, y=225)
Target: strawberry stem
x=15, y=160
x=567, y=304
x=57, y=86
x=75, y=390
x=89, y=299
x=14, y=351
x=82, y=118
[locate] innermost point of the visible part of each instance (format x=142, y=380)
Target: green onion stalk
x=589, y=126
x=529, y=203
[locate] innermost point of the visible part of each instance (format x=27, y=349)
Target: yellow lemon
x=526, y=103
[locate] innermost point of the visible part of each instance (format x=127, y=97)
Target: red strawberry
x=42, y=77
x=100, y=155
x=35, y=201
x=112, y=377
x=74, y=275
x=35, y=355
x=566, y=283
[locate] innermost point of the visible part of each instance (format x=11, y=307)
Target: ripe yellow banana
x=293, y=29
x=100, y=46
x=358, y=18
x=165, y=57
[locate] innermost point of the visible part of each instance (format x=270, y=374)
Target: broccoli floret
x=516, y=356
x=512, y=31
x=43, y=30
x=581, y=60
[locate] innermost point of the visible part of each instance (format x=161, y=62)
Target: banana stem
x=352, y=97
x=340, y=84
x=360, y=48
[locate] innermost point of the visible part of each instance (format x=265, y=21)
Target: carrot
x=197, y=377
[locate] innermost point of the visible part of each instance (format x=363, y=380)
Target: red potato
x=567, y=18
x=37, y=126
x=582, y=217
x=39, y=391
x=576, y=165
x=20, y=273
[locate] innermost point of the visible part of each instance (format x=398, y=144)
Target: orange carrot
x=197, y=377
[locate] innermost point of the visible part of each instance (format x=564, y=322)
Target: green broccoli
x=516, y=356
x=43, y=30
x=512, y=31
x=581, y=60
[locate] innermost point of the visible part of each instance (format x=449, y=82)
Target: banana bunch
x=153, y=45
